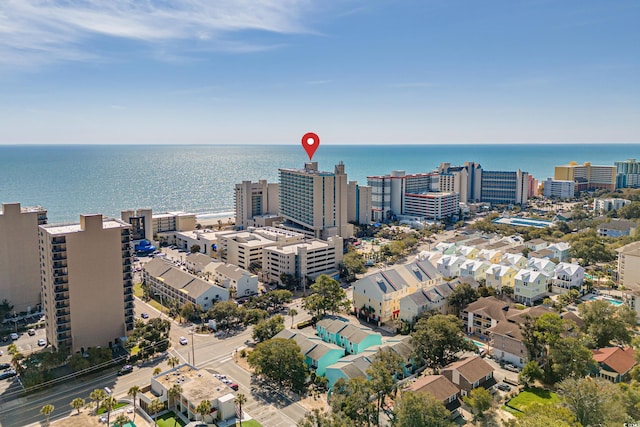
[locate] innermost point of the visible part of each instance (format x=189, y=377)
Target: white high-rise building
x=559, y=188
x=388, y=191
x=315, y=202
x=87, y=283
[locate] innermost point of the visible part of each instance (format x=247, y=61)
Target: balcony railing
x=62, y=297
x=61, y=329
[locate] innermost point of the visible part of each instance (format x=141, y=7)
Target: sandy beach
x=213, y=222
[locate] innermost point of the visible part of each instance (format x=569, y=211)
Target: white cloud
x=41, y=31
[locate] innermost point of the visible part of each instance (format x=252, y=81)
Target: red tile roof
x=620, y=360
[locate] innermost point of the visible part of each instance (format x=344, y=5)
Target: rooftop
x=197, y=385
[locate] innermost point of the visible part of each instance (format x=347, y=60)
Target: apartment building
x=310, y=258
x=559, y=189
x=20, y=263
x=315, y=202
x=617, y=228
x=587, y=176
x=601, y=205
x=629, y=267
x=628, y=173
x=87, y=288
x=147, y=225
x=464, y=180
x=388, y=192
x=504, y=187
x=432, y=206
x=358, y=203
x=256, y=203
x=244, y=248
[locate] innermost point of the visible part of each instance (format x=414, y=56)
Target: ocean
x=69, y=179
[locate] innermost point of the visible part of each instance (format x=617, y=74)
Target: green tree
x=109, y=403
x=240, y=400
x=462, y=295
x=530, y=373
x=203, y=409
x=133, y=393
x=352, y=399
x=174, y=393
x=156, y=371
x=187, y=311
x=173, y=361
x=539, y=415
x=352, y=264
x=225, y=313
x=630, y=211
x=97, y=395
x=154, y=407
x=319, y=418
x=604, y=324
x=571, y=358
x=328, y=296
x=631, y=398
x=590, y=248
x=593, y=401
x=5, y=308
x=479, y=400
x=254, y=315
x=269, y=328
x=46, y=411
x=540, y=333
x=438, y=339
x=289, y=281
x=420, y=409
x=279, y=361
x=121, y=420
x=292, y=313
x=382, y=373
x=77, y=404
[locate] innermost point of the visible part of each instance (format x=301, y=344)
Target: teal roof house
x=317, y=353
x=354, y=339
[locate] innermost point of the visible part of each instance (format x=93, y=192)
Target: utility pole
x=193, y=353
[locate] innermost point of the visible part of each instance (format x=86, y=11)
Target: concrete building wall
x=87, y=282
x=358, y=203
x=253, y=199
x=19, y=256
x=559, y=189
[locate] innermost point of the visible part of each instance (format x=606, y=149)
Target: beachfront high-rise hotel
x=315, y=202
x=19, y=257
x=87, y=283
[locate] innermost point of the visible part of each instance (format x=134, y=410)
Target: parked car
x=234, y=386
x=14, y=336
x=42, y=342
x=504, y=387
x=5, y=366
x=183, y=341
x=9, y=373
x=126, y=369
x=31, y=332
x=144, y=315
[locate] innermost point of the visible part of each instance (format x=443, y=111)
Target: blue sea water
x=69, y=179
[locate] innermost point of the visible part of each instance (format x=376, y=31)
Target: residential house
x=354, y=339
x=434, y=298
x=474, y=268
x=515, y=260
x=469, y=373
x=567, y=276
x=449, y=265
x=498, y=275
x=469, y=252
x=545, y=253
x=560, y=251
x=536, y=244
x=614, y=363
x=617, y=228
x=439, y=387
x=492, y=256
x=196, y=385
x=197, y=262
x=542, y=265
x=445, y=248
x=483, y=314
x=530, y=286
x=229, y=276
x=317, y=353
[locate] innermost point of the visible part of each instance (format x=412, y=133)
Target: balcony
x=62, y=329
x=61, y=288
x=63, y=321
x=59, y=248
x=59, y=257
x=59, y=265
x=127, y=276
x=62, y=297
x=128, y=312
x=60, y=281
x=62, y=312
x=129, y=305
x=128, y=298
x=61, y=305
x=128, y=291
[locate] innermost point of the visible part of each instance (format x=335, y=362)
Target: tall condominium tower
x=388, y=192
x=87, y=287
x=505, y=187
x=315, y=202
x=587, y=176
x=464, y=180
x=19, y=257
x=254, y=201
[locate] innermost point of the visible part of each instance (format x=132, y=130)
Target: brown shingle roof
x=621, y=360
x=471, y=368
x=436, y=385
x=489, y=307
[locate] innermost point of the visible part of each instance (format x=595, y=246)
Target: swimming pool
x=611, y=301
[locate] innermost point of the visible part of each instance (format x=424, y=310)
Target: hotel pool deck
x=611, y=301
x=523, y=222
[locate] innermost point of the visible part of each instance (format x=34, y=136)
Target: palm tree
x=156, y=371
x=203, y=409
x=12, y=350
x=154, y=407
x=109, y=403
x=46, y=411
x=133, y=393
x=240, y=400
x=174, y=392
x=97, y=395
x=121, y=420
x=77, y=404
x=292, y=312
x=173, y=361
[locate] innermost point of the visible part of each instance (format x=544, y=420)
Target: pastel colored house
x=317, y=353
x=469, y=373
x=614, y=363
x=492, y=256
x=567, y=276
x=469, y=252
x=530, y=286
x=515, y=260
x=617, y=228
x=542, y=265
x=483, y=314
x=498, y=275
x=474, y=268
x=536, y=244
x=434, y=298
x=449, y=265
x=446, y=248
x=354, y=339
x=560, y=251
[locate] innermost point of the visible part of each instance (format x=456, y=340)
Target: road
x=211, y=353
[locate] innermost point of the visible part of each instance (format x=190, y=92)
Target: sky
x=352, y=71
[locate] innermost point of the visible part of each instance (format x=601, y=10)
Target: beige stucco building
x=87, y=288
x=19, y=256
x=255, y=203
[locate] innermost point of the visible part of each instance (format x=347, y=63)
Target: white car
x=14, y=336
x=183, y=341
x=42, y=342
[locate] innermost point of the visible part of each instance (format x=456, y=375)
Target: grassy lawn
x=249, y=423
x=118, y=406
x=137, y=290
x=169, y=420
x=522, y=401
x=155, y=304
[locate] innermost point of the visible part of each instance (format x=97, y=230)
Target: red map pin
x=310, y=142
